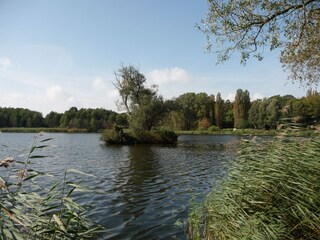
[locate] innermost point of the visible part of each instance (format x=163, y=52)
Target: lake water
x=147, y=187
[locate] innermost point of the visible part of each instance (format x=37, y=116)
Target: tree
x=241, y=108
x=187, y=105
x=249, y=26
x=273, y=112
x=312, y=102
x=147, y=114
x=254, y=113
x=218, y=108
x=52, y=119
x=143, y=105
x=228, y=117
x=130, y=84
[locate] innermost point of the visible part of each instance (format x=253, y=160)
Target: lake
x=147, y=187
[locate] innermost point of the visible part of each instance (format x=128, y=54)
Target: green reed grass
x=271, y=192
x=30, y=211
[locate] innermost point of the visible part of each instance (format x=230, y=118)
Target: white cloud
x=56, y=93
x=99, y=84
x=169, y=75
x=5, y=63
x=102, y=86
x=231, y=97
x=257, y=96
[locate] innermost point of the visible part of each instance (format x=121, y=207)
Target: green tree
x=52, y=119
x=143, y=105
x=254, y=114
x=228, y=117
x=147, y=114
x=241, y=108
x=273, y=112
x=188, y=108
x=218, y=110
x=130, y=84
x=249, y=26
x=312, y=102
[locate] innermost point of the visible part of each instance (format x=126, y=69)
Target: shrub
x=139, y=137
x=203, y=124
x=213, y=128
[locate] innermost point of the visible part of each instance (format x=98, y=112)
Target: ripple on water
x=147, y=188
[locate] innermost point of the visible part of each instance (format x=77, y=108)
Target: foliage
x=203, y=124
x=214, y=128
x=182, y=113
x=31, y=211
x=147, y=114
x=90, y=119
x=249, y=26
x=130, y=84
x=241, y=108
x=143, y=105
x=228, y=116
x=129, y=137
x=195, y=107
x=271, y=192
x=218, y=110
x=20, y=117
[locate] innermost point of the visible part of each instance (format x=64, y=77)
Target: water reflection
x=147, y=187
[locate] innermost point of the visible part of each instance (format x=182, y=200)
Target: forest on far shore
x=189, y=111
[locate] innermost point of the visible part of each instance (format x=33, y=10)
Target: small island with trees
x=146, y=117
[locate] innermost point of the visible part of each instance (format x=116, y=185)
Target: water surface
x=147, y=187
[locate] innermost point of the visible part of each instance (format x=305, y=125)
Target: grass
x=29, y=210
x=38, y=130
x=229, y=131
x=252, y=132
x=272, y=191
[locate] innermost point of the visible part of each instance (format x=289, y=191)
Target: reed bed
x=29, y=210
x=272, y=191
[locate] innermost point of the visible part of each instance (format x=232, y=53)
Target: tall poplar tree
x=241, y=108
x=218, y=107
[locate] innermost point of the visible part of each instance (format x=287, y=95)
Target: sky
x=56, y=54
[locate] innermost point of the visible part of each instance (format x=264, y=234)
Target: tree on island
x=249, y=26
x=142, y=104
x=144, y=107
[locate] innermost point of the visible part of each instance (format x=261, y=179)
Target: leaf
x=42, y=146
x=11, y=215
x=12, y=235
x=77, y=171
x=38, y=156
x=78, y=188
x=60, y=223
x=30, y=177
x=45, y=140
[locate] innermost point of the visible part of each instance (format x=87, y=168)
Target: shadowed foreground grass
x=31, y=210
x=272, y=192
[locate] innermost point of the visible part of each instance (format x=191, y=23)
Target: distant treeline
x=189, y=111
x=90, y=119
x=201, y=111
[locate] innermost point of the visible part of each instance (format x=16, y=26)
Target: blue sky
x=55, y=54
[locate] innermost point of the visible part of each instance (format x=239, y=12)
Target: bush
x=128, y=137
x=271, y=192
x=28, y=211
x=213, y=128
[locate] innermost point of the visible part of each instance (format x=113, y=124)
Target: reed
x=272, y=191
x=31, y=211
